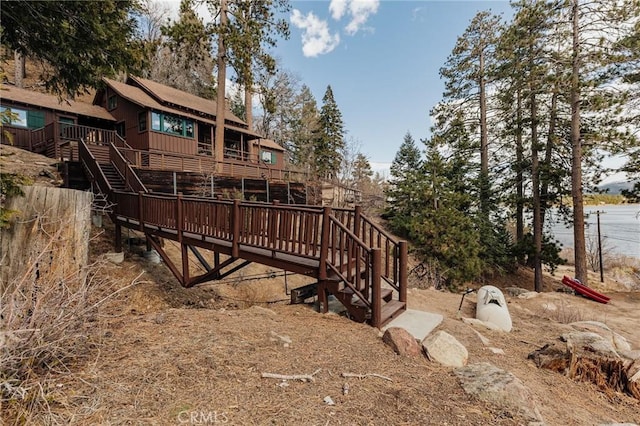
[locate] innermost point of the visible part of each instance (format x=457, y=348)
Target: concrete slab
x=418, y=323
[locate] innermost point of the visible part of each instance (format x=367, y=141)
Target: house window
x=22, y=118
x=171, y=124
x=268, y=157
x=112, y=102
x=142, y=121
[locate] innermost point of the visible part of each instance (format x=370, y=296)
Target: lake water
x=619, y=226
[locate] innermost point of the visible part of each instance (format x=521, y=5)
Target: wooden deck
x=351, y=257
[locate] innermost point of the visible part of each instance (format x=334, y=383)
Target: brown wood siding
x=279, y=164
x=169, y=143
x=128, y=112
x=22, y=136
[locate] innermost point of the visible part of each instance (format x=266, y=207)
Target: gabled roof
x=268, y=143
x=138, y=96
x=44, y=100
x=171, y=96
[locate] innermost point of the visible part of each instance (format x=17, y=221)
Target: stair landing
x=418, y=323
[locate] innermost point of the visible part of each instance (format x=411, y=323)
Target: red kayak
x=584, y=290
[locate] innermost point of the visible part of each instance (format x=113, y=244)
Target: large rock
x=401, y=342
x=443, y=348
x=489, y=383
x=618, y=341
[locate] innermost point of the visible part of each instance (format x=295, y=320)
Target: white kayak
x=492, y=307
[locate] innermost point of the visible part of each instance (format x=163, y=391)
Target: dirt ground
x=165, y=355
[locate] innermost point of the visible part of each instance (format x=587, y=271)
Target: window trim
x=187, y=125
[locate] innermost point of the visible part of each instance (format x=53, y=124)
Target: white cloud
x=316, y=38
x=337, y=8
x=360, y=10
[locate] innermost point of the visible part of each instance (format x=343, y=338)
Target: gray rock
x=443, y=348
x=116, y=258
x=492, y=384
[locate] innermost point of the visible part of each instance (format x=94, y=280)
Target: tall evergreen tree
x=329, y=139
x=183, y=59
x=250, y=30
x=305, y=126
x=403, y=190
x=467, y=78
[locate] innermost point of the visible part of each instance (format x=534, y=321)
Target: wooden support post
x=235, y=218
x=175, y=183
x=179, y=218
x=323, y=298
x=357, y=215
x=118, y=238
x=324, y=243
x=185, y=265
x=403, y=272
x=141, y=210
x=376, y=290
x=267, y=185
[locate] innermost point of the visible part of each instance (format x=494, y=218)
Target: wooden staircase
x=352, y=258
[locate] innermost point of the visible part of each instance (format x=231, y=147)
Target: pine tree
x=305, y=126
x=442, y=230
x=329, y=139
x=467, y=77
x=402, y=193
x=81, y=42
x=183, y=59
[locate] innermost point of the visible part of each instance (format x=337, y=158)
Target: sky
x=381, y=58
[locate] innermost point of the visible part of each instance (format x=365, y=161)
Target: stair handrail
x=91, y=164
x=395, y=274
x=123, y=167
x=370, y=265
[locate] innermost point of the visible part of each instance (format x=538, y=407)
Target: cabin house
x=38, y=120
x=156, y=127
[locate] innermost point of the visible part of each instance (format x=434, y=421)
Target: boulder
x=401, y=342
x=492, y=384
x=443, y=348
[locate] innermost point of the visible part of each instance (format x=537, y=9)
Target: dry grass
x=48, y=327
x=563, y=313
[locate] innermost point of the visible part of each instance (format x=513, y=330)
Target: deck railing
x=156, y=160
x=54, y=138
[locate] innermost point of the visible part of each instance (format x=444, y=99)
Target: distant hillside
x=615, y=188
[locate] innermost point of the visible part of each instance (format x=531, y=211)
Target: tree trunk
x=535, y=183
x=519, y=173
x=20, y=69
x=484, y=146
x=222, y=76
x=248, y=106
x=579, y=243
x=546, y=168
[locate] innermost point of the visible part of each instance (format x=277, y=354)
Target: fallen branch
x=363, y=376
x=301, y=377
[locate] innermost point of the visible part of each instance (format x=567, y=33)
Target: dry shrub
x=564, y=313
x=48, y=325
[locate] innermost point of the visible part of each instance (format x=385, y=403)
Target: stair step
x=385, y=293
x=391, y=310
